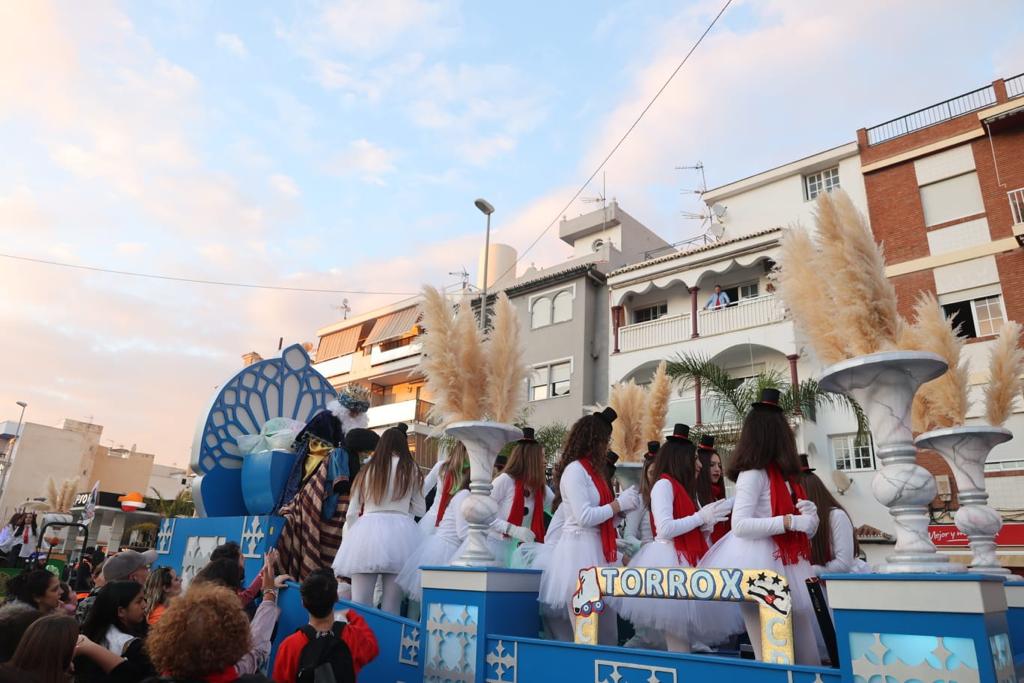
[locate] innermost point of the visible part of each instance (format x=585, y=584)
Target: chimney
x=250, y=358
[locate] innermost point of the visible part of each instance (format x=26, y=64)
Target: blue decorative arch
x=277, y=387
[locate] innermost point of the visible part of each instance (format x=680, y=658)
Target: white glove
x=711, y=515
x=806, y=507
x=629, y=545
x=629, y=499
x=807, y=524
x=520, y=533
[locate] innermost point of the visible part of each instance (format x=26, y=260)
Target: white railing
x=377, y=356
x=666, y=330
x=1016, y=198
x=1015, y=86
x=763, y=310
x=335, y=366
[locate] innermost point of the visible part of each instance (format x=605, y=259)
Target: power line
x=196, y=281
x=621, y=140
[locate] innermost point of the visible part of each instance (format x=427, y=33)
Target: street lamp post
x=487, y=209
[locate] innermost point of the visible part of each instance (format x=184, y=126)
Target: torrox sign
x=948, y=536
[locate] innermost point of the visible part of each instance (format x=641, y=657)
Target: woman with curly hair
x=202, y=636
x=162, y=586
x=380, y=535
x=588, y=537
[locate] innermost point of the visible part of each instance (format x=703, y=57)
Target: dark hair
x=29, y=586
x=589, y=436
x=223, y=572
x=47, y=648
x=766, y=438
x=15, y=519
x=229, y=551
x=14, y=619
x=526, y=463
x=678, y=459
x=319, y=592
x=821, y=542
x=103, y=613
x=373, y=479
x=21, y=523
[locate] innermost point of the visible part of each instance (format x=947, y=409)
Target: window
x=550, y=381
x=853, y=454
x=648, y=313
x=562, y=308
x=978, y=317
x=552, y=308
x=952, y=198
x=748, y=291
x=822, y=181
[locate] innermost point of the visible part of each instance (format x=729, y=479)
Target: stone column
x=693, y=312
x=696, y=393
x=794, y=379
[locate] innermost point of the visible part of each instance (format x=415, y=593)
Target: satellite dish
x=717, y=230
x=842, y=481
x=719, y=210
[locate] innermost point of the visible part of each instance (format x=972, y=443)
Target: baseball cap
x=118, y=567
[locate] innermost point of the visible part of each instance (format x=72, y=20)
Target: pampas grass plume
x=1006, y=365
x=944, y=401
x=439, y=362
x=472, y=369
x=801, y=286
x=506, y=370
x=629, y=401
x=659, y=392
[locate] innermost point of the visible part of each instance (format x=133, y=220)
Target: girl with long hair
x=46, y=651
x=637, y=530
x=25, y=538
x=836, y=551
x=38, y=588
x=117, y=622
x=162, y=586
x=522, y=495
x=9, y=534
x=380, y=533
x=441, y=547
x=588, y=537
x=710, y=486
x=772, y=523
x=680, y=537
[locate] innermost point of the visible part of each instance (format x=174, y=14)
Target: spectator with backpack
x=325, y=649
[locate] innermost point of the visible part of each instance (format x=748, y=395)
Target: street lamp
x=487, y=209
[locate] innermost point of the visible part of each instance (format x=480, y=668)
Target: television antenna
x=600, y=198
x=463, y=276
x=344, y=308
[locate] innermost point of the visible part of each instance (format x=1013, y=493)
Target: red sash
x=722, y=528
x=518, y=510
x=604, y=497
x=691, y=546
x=792, y=546
x=446, y=495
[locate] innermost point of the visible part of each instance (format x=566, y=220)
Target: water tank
x=501, y=264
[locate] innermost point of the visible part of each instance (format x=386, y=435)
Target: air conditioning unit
x=943, y=487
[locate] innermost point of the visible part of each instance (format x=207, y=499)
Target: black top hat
x=707, y=443
x=361, y=440
x=608, y=415
x=769, y=400
x=402, y=427
x=680, y=432
x=652, y=450
x=805, y=465
x=323, y=426
x=529, y=435
x=501, y=460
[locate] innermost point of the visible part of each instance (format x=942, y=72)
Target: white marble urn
x=483, y=441
x=884, y=385
x=965, y=450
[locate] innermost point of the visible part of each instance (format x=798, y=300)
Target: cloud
x=285, y=185
x=367, y=29
x=130, y=248
x=365, y=160
x=233, y=44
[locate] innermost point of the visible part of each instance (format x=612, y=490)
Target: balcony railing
x=1016, y=198
x=929, y=116
x=377, y=356
x=402, y=411
x=762, y=310
x=1015, y=86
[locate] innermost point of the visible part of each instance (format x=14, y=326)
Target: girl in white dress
x=636, y=531
x=681, y=538
x=522, y=496
x=588, y=535
x=837, y=551
x=439, y=548
x=772, y=522
x=380, y=534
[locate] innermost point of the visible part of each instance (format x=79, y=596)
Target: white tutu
x=428, y=522
x=436, y=551
x=574, y=551
x=531, y=555
x=662, y=614
x=717, y=622
x=377, y=543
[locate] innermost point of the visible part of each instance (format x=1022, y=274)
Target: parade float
x=916, y=617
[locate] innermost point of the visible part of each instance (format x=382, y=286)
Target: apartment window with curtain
x=550, y=380
x=852, y=454
x=981, y=317
x=648, y=313
x=822, y=181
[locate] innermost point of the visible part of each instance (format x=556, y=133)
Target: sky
x=339, y=144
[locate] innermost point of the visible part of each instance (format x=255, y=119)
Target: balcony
x=410, y=411
x=756, y=312
x=378, y=356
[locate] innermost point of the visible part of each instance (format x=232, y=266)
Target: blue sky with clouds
x=340, y=144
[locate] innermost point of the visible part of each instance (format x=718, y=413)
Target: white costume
x=536, y=555
x=428, y=520
x=438, y=549
x=503, y=492
x=843, y=560
x=750, y=546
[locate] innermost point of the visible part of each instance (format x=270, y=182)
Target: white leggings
x=364, y=584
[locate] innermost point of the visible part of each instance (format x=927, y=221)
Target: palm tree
x=732, y=399
x=179, y=506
